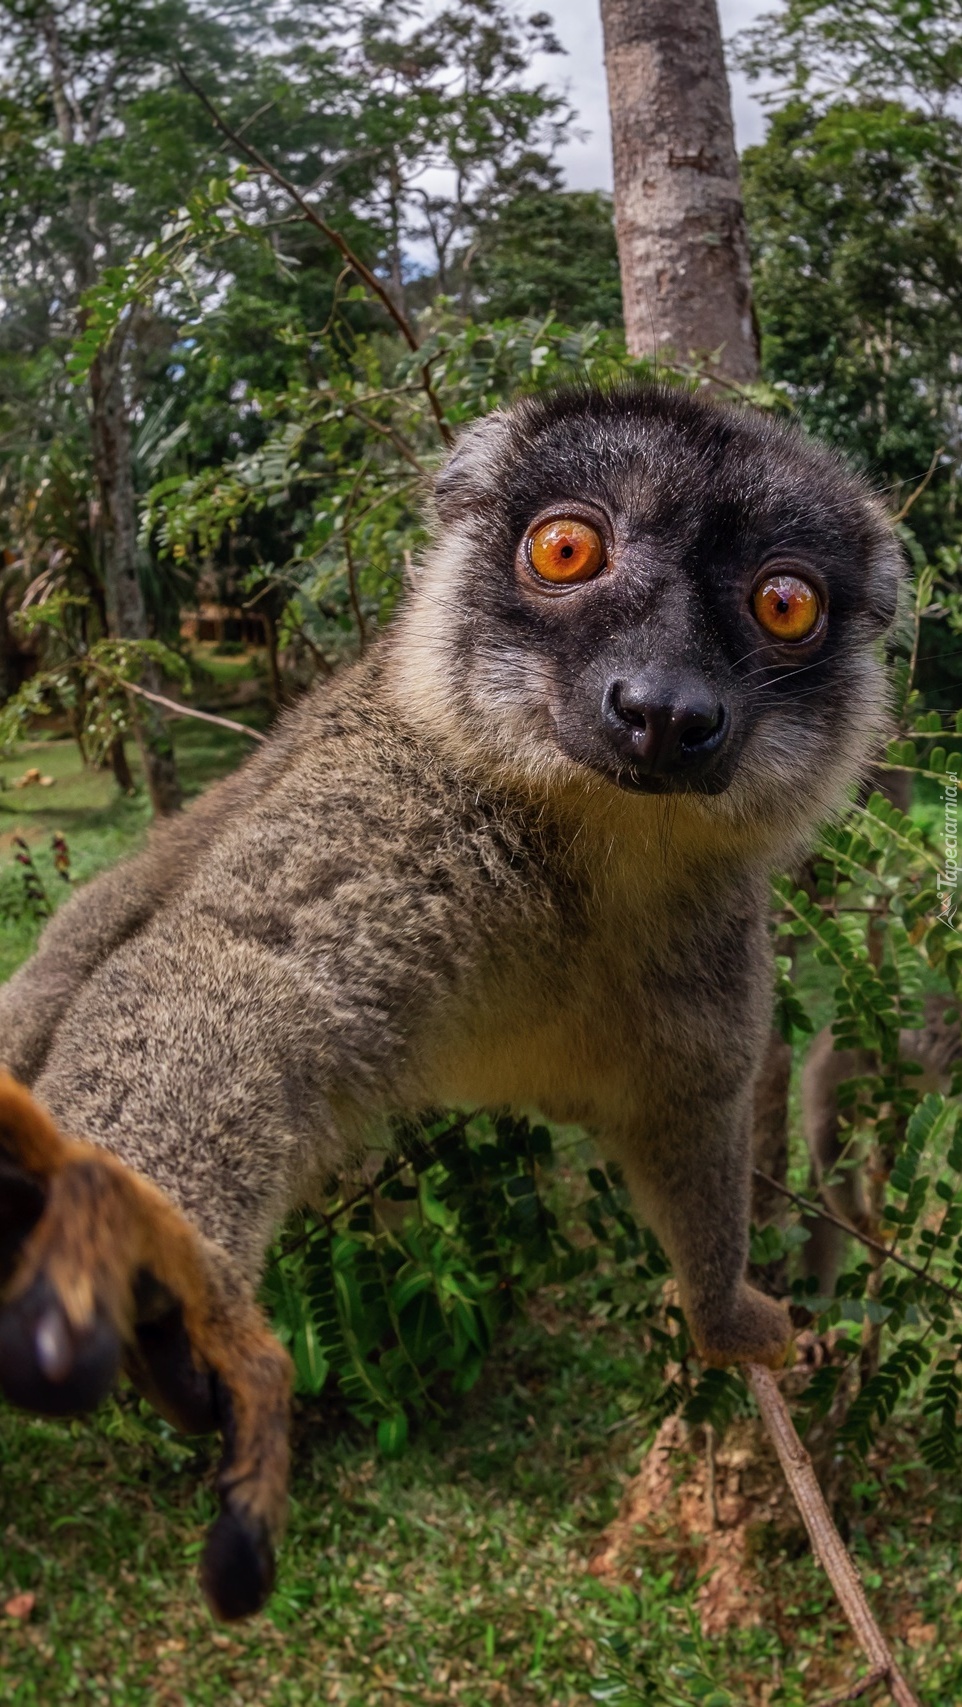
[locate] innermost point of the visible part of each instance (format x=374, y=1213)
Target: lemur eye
x=786, y=606
x=566, y=550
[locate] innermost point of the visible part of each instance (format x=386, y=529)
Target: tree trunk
x=273, y=660
x=682, y=240
x=126, y=615
x=9, y=661
x=121, y=769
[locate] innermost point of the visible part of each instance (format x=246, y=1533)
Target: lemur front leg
x=96, y=1266
x=688, y=1165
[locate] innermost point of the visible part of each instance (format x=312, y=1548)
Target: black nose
x=665, y=732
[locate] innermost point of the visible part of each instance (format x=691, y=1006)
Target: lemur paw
x=754, y=1329
x=97, y=1268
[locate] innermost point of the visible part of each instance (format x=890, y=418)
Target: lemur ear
x=886, y=571
x=473, y=466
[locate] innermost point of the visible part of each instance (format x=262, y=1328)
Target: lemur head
x=649, y=589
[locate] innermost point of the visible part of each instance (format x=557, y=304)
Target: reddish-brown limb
x=340, y=243
x=827, y=1544
x=83, y=1239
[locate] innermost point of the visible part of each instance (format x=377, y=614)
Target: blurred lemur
x=932, y=1052
x=517, y=855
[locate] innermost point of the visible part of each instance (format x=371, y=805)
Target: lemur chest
x=628, y=1003
x=572, y=1038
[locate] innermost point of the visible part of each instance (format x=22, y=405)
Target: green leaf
x=392, y=1435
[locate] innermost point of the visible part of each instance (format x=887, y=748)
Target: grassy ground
x=84, y=805
x=458, y=1572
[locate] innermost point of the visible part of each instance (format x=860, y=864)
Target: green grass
x=456, y=1573
x=85, y=805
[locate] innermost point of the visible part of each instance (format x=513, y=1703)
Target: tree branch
x=340, y=243
x=58, y=80
x=920, y=488
x=875, y=1676
x=865, y=1239
x=349, y=557
x=191, y=711
x=400, y=444
x=827, y=1544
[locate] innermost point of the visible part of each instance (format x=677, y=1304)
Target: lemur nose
x=660, y=734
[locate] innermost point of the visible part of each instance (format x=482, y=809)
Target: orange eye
x=786, y=606
x=566, y=551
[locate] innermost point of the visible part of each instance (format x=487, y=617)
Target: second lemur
x=518, y=855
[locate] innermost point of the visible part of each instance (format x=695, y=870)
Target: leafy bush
x=402, y=1308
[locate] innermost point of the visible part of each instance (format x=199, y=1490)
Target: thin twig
x=865, y=1239
x=191, y=711
x=392, y=1168
x=920, y=488
x=353, y=593
x=827, y=1544
x=349, y=557
x=877, y=1675
x=400, y=444
x=259, y=114
x=340, y=243
x=711, y=1494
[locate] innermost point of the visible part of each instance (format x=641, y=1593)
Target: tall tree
x=71, y=67
x=453, y=130
x=682, y=242
x=99, y=145
x=856, y=223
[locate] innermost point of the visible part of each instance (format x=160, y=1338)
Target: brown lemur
x=932, y=1053
x=517, y=855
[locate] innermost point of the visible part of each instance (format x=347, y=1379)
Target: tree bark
x=126, y=614
x=682, y=240
x=121, y=769
x=9, y=661
x=110, y=433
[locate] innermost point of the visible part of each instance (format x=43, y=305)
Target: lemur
x=517, y=855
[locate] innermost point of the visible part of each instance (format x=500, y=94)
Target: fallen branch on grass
x=869, y=1681
x=827, y=1544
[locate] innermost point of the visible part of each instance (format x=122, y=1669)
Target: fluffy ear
x=886, y=569
x=473, y=466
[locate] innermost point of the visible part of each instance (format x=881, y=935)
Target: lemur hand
x=99, y=1269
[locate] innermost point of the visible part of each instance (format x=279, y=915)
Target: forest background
x=215, y=435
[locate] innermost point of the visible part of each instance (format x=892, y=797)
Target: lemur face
x=672, y=596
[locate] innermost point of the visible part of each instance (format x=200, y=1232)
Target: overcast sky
x=587, y=164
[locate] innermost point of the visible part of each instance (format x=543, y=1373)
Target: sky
x=587, y=163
